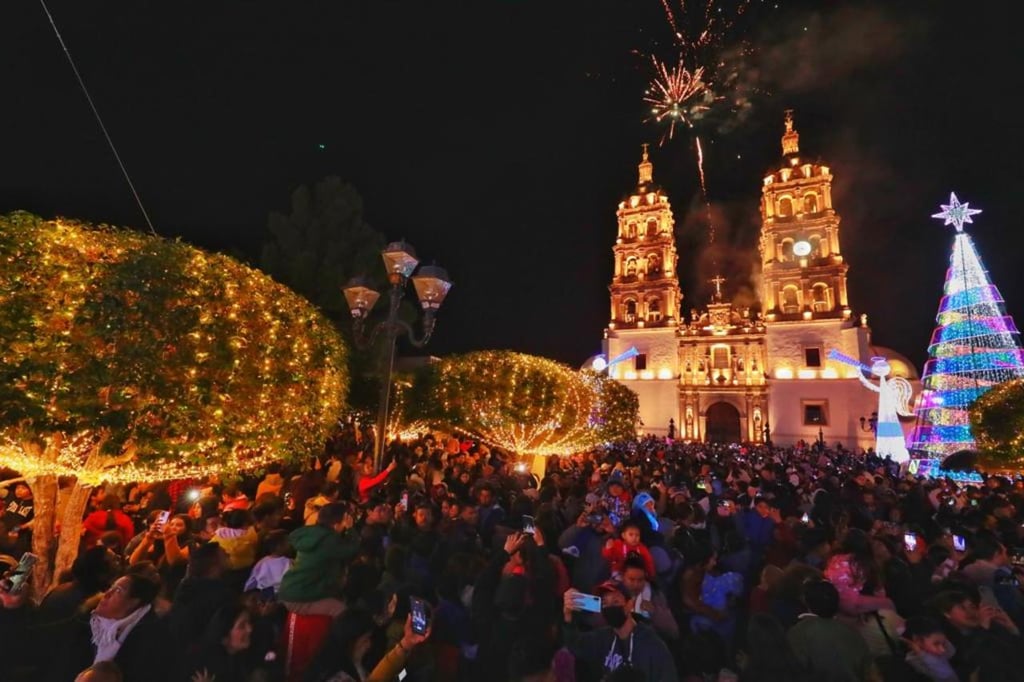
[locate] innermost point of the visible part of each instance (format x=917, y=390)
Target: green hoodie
x=317, y=569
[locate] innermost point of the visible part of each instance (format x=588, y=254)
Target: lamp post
x=431, y=284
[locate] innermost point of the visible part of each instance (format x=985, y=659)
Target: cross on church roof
x=718, y=280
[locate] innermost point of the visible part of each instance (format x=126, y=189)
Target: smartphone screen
x=806, y=518
x=161, y=520
x=528, y=526
x=22, y=572
x=590, y=603
x=420, y=619
x=959, y=544
x=910, y=541
x=405, y=501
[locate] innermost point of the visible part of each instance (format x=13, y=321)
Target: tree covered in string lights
x=521, y=403
x=975, y=346
x=127, y=357
x=997, y=421
x=617, y=411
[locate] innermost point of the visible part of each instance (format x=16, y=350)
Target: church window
x=810, y=203
x=631, y=267
x=820, y=298
x=631, y=231
x=790, y=300
x=652, y=227
x=816, y=250
x=785, y=207
x=630, y=315
x=812, y=357
x=720, y=357
x=653, y=264
x=786, y=247
x=653, y=310
x=640, y=362
x=815, y=413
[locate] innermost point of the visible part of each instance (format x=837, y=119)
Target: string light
x=975, y=347
x=127, y=357
x=524, y=404
x=998, y=422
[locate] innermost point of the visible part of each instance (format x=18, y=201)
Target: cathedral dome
x=901, y=366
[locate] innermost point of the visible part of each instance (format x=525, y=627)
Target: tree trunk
x=71, y=529
x=44, y=494
x=56, y=552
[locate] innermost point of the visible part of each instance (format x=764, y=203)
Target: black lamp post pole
x=391, y=329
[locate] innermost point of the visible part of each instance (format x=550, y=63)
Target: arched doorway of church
x=723, y=423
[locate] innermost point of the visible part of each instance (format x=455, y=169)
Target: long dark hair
x=770, y=656
x=336, y=654
x=222, y=622
x=857, y=544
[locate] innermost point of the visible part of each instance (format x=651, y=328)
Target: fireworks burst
x=677, y=94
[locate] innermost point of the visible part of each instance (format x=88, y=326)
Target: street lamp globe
x=361, y=297
x=399, y=261
x=432, y=284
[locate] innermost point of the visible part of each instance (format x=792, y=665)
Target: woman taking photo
x=167, y=547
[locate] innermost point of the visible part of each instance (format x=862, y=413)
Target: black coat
x=145, y=656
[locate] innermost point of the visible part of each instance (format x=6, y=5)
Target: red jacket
x=368, y=483
x=98, y=523
x=616, y=551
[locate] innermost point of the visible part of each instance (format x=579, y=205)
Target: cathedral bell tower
x=806, y=310
x=645, y=299
x=645, y=289
x=804, y=276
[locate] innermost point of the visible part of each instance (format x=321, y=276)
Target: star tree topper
x=955, y=213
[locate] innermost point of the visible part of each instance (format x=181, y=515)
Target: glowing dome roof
x=901, y=366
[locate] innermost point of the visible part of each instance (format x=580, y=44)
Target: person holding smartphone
x=622, y=642
x=17, y=616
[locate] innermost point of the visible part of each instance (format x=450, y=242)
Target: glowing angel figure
x=893, y=401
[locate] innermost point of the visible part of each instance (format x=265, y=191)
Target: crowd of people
x=647, y=561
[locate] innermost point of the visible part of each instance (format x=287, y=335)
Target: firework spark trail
x=671, y=19
x=704, y=190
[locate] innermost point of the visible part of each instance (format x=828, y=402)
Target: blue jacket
x=757, y=530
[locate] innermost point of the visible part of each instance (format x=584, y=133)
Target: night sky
x=498, y=137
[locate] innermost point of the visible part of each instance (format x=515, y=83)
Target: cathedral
x=725, y=373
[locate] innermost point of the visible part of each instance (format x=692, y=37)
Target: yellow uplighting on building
x=784, y=373
x=829, y=373
x=664, y=373
x=807, y=374
x=647, y=374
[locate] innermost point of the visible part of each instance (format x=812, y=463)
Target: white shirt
x=268, y=572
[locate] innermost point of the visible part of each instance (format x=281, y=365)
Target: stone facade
x=729, y=374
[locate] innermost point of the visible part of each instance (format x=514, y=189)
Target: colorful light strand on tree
x=975, y=347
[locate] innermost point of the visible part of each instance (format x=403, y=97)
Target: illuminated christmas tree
x=975, y=347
